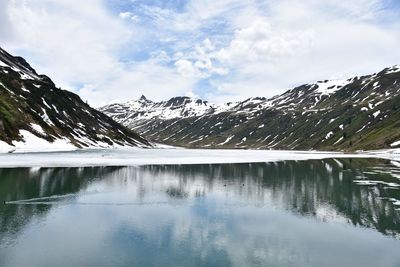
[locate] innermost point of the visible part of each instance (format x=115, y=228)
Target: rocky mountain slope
x=360, y=113
x=35, y=114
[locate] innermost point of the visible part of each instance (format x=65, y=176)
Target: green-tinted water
x=304, y=213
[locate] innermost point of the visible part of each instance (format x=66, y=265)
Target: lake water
x=332, y=212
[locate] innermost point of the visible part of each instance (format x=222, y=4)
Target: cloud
x=259, y=42
x=128, y=15
x=150, y=78
x=221, y=50
x=202, y=62
x=195, y=14
x=186, y=68
x=6, y=29
x=78, y=46
x=288, y=43
x=74, y=43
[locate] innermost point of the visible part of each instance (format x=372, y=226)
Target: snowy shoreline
x=171, y=156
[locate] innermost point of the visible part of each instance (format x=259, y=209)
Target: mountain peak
x=21, y=66
x=395, y=68
x=178, y=101
x=143, y=98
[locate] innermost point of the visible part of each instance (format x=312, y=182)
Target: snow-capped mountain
x=358, y=113
x=35, y=115
x=177, y=107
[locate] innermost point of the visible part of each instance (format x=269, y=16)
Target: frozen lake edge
x=167, y=156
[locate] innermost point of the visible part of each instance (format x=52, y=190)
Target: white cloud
x=71, y=42
x=259, y=42
x=128, y=15
x=155, y=81
x=6, y=29
x=78, y=46
x=287, y=43
x=201, y=62
x=186, y=68
x=241, y=48
x=196, y=14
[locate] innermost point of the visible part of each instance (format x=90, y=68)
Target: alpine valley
x=361, y=113
x=35, y=114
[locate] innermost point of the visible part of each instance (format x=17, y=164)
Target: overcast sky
x=218, y=50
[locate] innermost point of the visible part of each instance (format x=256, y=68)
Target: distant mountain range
x=34, y=114
x=360, y=113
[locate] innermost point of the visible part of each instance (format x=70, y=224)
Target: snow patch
x=329, y=87
x=397, y=143
x=226, y=141
x=37, y=128
x=2, y=64
x=328, y=135
x=376, y=114
x=338, y=141
x=33, y=143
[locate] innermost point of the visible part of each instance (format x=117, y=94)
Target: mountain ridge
x=359, y=113
x=35, y=114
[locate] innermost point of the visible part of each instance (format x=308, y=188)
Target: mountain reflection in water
x=198, y=214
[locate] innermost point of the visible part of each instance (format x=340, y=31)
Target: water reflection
x=304, y=213
x=328, y=189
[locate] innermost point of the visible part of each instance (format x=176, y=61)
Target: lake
x=322, y=212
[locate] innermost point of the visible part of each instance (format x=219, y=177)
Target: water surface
x=333, y=212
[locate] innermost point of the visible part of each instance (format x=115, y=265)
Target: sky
x=226, y=50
